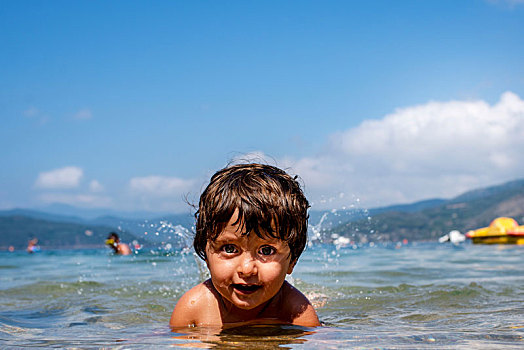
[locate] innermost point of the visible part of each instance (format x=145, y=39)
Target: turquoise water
x=383, y=296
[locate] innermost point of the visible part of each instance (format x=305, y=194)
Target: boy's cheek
x=219, y=265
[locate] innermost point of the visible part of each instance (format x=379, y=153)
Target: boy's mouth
x=246, y=288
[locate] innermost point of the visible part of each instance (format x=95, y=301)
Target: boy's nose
x=247, y=265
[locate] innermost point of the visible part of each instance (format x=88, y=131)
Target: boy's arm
x=182, y=315
x=301, y=310
x=198, y=306
x=308, y=317
x=187, y=309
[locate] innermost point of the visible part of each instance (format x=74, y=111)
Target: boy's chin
x=244, y=302
x=246, y=306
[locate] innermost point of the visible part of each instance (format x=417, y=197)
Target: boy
x=251, y=229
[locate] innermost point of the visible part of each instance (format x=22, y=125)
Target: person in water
x=32, y=246
x=114, y=242
x=251, y=227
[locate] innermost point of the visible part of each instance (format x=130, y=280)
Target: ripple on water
x=367, y=298
x=32, y=318
x=5, y=267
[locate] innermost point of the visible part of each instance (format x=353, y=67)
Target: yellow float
x=501, y=231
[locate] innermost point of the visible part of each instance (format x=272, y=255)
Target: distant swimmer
x=32, y=246
x=114, y=242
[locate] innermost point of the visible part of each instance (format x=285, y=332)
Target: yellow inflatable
x=500, y=231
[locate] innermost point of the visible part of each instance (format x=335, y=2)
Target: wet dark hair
x=113, y=235
x=269, y=201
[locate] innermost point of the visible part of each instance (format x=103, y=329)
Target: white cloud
x=159, y=186
x=423, y=137
x=63, y=186
x=251, y=157
x=437, y=149
x=82, y=200
x=67, y=177
x=95, y=186
x=83, y=114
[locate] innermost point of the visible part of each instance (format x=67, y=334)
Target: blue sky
x=131, y=105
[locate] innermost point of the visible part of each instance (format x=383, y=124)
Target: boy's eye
x=267, y=250
x=229, y=248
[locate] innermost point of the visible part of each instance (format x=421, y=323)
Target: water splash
x=174, y=238
x=316, y=232
x=348, y=226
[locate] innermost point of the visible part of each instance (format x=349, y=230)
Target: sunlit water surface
x=394, y=297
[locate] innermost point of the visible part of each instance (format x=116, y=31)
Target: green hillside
x=16, y=230
x=426, y=220
x=468, y=211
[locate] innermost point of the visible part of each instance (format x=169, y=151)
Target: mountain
x=93, y=213
x=137, y=225
x=424, y=220
x=36, y=214
x=468, y=211
x=16, y=230
x=327, y=220
x=17, y=226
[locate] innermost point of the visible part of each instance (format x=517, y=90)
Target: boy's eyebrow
x=232, y=237
x=278, y=242
x=226, y=237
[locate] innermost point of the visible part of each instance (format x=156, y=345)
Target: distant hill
x=328, y=220
x=17, y=226
x=36, y=214
x=93, y=213
x=16, y=230
x=184, y=219
x=424, y=220
x=468, y=211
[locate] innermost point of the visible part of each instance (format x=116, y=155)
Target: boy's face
x=246, y=269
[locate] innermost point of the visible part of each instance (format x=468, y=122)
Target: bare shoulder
x=124, y=249
x=198, y=306
x=298, y=306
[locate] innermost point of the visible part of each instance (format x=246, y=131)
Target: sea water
x=393, y=296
